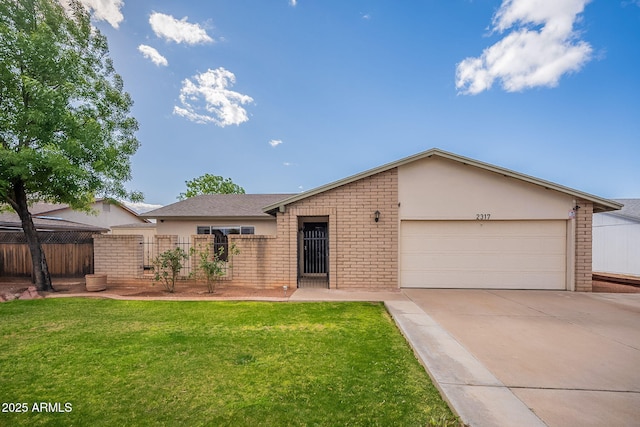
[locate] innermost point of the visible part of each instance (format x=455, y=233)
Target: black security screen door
x=315, y=248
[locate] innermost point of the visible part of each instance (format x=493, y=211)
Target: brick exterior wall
x=258, y=263
x=583, y=251
x=362, y=253
x=118, y=256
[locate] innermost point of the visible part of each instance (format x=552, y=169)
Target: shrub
x=212, y=265
x=167, y=266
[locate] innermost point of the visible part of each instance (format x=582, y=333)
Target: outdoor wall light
x=376, y=216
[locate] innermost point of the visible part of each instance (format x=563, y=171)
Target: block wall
x=118, y=256
x=258, y=264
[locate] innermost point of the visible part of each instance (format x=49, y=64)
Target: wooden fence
x=67, y=257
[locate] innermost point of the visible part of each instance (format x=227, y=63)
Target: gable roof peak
x=600, y=204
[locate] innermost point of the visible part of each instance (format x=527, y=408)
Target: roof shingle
x=218, y=205
x=631, y=208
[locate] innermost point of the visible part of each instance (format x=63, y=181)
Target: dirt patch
x=601, y=286
x=196, y=292
x=187, y=291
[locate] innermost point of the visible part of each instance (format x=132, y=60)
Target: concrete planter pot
x=95, y=282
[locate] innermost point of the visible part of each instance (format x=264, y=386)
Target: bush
x=167, y=266
x=212, y=265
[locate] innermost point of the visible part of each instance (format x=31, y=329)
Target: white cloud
x=179, y=31
x=209, y=100
x=540, y=48
x=275, y=142
x=293, y=2
x=152, y=54
x=106, y=10
x=101, y=10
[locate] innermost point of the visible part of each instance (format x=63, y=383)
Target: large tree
x=66, y=135
x=210, y=184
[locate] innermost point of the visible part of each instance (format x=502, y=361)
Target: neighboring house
x=616, y=240
x=66, y=236
x=217, y=214
x=432, y=220
x=106, y=214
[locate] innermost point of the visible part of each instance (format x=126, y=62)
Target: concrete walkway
x=525, y=358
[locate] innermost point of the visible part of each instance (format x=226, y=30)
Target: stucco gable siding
x=600, y=204
x=441, y=189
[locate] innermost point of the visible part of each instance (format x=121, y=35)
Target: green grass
x=211, y=363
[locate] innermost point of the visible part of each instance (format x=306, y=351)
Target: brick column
x=584, y=218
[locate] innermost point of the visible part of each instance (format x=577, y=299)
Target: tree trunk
x=41, y=276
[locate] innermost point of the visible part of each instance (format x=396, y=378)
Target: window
x=220, y=235
x=225, y=231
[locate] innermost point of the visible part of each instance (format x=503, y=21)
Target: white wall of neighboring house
x=616, y=244
x=107, y=215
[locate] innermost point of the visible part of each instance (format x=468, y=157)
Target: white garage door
x=483, y=254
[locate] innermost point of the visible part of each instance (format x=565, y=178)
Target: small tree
x=66, y=134
x=210, y=184
x=167, y=266
x=211, y=264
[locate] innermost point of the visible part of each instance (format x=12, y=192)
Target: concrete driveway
x=572, y=359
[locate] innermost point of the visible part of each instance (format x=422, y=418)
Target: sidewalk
x=317, y=295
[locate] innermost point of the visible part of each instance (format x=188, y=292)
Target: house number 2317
x=483, y=216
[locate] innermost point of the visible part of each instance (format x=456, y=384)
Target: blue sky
x=285, y=96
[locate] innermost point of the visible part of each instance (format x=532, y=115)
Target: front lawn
x=105, y=362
